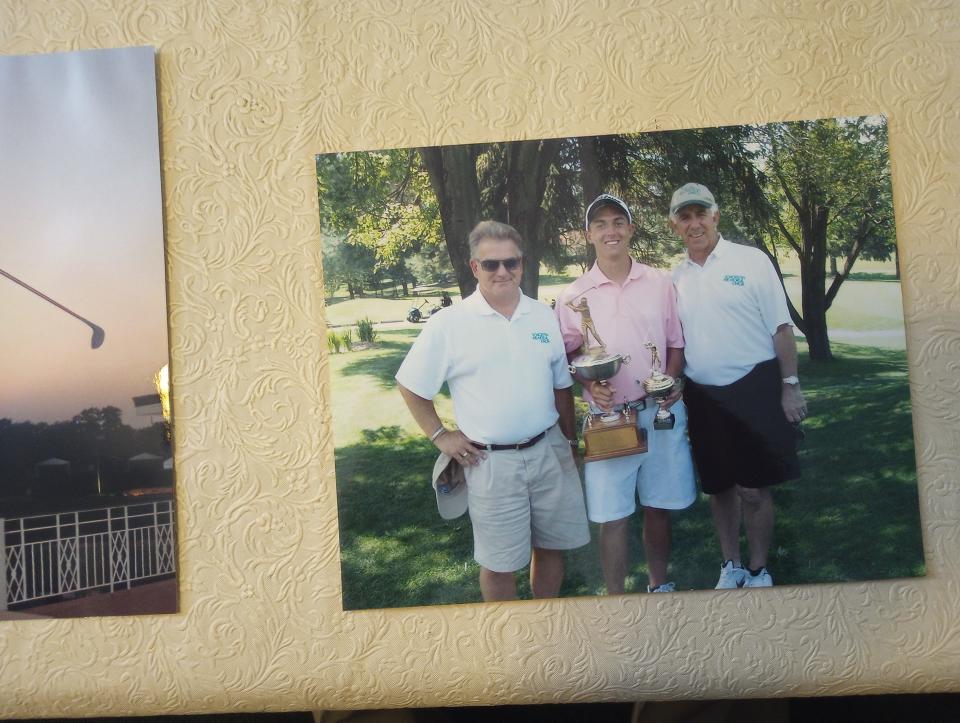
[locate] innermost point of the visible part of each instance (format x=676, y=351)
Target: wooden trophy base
x=618, y=438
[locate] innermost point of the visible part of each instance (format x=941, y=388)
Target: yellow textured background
x=249, y=92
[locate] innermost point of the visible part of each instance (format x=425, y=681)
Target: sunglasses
x=491, y=265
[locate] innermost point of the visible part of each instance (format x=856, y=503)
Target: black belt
x=519, y=445
x=637, y=404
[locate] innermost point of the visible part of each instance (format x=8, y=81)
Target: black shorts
x=739, y=434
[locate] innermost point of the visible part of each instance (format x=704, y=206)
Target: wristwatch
x=791, y=380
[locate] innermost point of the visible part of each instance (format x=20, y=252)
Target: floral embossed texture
x=249, y=92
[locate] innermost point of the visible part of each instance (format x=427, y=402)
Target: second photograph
x=631, y=363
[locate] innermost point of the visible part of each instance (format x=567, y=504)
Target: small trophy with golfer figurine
x=658, y=387
x=612, y=434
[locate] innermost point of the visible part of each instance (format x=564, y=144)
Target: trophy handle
x=626, y=359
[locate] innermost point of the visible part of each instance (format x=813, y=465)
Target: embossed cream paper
x=249, y=93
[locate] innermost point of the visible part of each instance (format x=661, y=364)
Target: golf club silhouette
x=98, y=333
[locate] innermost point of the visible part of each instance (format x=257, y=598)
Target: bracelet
x=440, y=430
x=574, y=442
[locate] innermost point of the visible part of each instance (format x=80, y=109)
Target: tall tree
x=830, y=195
x=453, y=176
x=504, y=181
x=377, y=210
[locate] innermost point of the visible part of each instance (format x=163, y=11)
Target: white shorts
x=519, y=499
x=662, y=476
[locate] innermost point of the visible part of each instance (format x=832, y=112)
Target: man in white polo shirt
x=742, y=394
x=503, y=358
x=630, y=305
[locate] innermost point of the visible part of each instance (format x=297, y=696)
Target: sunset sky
x=81, y=221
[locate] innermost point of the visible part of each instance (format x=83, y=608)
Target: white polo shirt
x=730, y=308
x=501, y=372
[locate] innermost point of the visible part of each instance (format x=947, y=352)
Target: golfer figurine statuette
x=613, y=434
x=658, y=387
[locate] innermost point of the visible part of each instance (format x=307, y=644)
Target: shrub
x=346, y=338
x=365, y=330
x=333, y=342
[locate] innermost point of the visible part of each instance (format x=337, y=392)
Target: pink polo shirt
x=643, y=309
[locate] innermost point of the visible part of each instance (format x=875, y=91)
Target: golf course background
x=853, y=516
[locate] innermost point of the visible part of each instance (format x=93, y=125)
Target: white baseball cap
x=690, y=194
x=450, y=486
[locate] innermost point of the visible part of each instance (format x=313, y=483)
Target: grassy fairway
x=868, y=308
x=853, y=515
x=365, y=396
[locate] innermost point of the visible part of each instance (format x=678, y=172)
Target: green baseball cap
x=690, y=194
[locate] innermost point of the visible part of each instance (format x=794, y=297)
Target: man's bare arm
x=451, y=442
x=675, y=362
x=785, y=346
x=563, y=399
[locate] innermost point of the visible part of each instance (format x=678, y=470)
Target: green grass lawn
x=869, y=300
x=365, y=396
x=859, y=486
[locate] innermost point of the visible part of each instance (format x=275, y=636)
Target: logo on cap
x=606, y=199
x=690, y=194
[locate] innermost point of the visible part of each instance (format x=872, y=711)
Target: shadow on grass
x=872, y=276
x=854, y=514
x=395, y=549
x=382, y=362
x=856, y=509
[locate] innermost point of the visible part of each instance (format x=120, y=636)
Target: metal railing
x=50, y=555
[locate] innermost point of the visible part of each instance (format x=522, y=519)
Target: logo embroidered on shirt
x=541, y=336
x=734, y=279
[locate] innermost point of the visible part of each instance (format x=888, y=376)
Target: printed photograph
x=87, y=512
x=632, y=363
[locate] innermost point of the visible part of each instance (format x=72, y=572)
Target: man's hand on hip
x=455, y=444
x=794, y=405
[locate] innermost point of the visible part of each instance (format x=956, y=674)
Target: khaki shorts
x=519, y=499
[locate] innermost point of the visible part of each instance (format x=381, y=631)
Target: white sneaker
x=761, y=579
x=731, y=576
x=663, y=587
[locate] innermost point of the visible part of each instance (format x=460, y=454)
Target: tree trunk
x=528, y=163
x=813, y=267
x=590, y=181
x=453, y=176
x=833, y=266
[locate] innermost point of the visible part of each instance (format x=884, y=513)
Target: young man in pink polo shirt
x=631, y=305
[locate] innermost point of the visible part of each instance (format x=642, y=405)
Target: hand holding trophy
x=659, y=386
x=614, y=434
